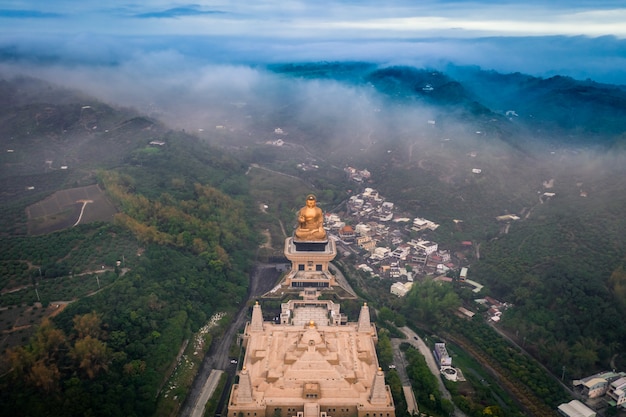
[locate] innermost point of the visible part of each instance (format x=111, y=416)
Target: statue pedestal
x=309, y=262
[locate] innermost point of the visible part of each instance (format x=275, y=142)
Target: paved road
x=411, y=402
x=341, y=280
x=262, y=279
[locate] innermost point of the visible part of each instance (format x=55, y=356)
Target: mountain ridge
x=558, y=106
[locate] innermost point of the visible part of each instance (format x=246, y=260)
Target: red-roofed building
x=347, y=234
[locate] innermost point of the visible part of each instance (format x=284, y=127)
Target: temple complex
x=310, y=365
x=312, y=362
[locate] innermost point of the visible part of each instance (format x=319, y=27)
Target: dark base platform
x=310, y=245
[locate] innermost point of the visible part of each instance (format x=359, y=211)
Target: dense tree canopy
x=186, y=257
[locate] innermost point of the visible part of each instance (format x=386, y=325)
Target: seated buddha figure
x=310, y=221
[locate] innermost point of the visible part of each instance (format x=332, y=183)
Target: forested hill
x=178, y=251
x=576, y=112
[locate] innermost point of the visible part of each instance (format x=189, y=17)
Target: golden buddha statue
x=310, y=221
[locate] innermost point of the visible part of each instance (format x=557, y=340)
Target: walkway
x=207, y=391
x=398, y=360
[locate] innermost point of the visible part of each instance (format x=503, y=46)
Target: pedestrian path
x=207, y=391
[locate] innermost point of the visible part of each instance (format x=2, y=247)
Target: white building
x=387, y=206
x=441, y=355
x=617, y=392
x=362, y=229
x=463, y=274
x=381, y=252
x=401, y=252
x=356, y=202
x=400, y=289
x=425, y=245
x=595, y=387
x=420, y=224
x=575, y=408
x=370, y=192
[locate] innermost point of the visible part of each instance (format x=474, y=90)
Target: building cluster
x=357, y=175
x=395, y=246
x=495, y=307
x=381, y=240
x=603, y=388
x=379, y=237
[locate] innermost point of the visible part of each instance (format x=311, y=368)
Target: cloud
x=536, y=38
x=27, y=14
x=178, y=12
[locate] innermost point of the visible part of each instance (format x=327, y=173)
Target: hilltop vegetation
x=178, y=252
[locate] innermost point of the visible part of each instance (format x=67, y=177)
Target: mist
x=197, y=67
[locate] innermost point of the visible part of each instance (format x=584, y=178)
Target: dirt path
x=82, y=210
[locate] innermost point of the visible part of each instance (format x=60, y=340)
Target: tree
x=44, y=375
x=88, y=325
x=91, y=356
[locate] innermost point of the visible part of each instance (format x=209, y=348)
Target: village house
x=347, y=234
x=362, y=229
x=380, y=253
x=617, y=393
x=401, y=252
x=419, y=256
x=357, y=175
x=419, y=224
x=366, y=243
x=364, y=267
x=371, y=194
x=394, y=270
x=425, y=245
x=596, y=385
x=400, y=289
x=463, y=274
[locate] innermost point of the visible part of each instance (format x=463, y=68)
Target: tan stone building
x=309, y=263
x=312, y=364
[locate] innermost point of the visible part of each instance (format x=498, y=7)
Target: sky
x=581, y=38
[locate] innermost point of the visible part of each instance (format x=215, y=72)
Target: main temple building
x=312, y=362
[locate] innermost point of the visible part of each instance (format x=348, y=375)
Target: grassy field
x=64, y=209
